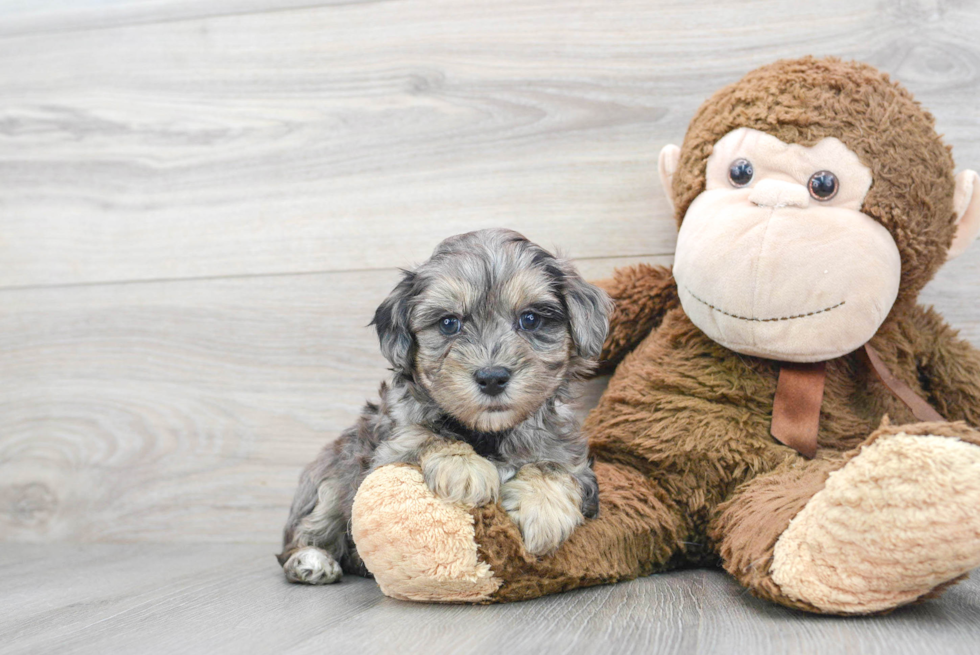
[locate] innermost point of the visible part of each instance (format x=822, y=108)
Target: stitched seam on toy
x=764, y=320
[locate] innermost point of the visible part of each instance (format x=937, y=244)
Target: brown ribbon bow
x=799, y=394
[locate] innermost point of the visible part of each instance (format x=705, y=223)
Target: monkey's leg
x=420, y=547
x=895, y=521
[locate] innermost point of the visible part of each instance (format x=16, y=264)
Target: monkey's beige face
x=775, y=258
x=493, y=340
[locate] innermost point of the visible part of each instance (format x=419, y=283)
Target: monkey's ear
x=588, y=313
x=392, y=323
x=966, y=204
x=669, y=156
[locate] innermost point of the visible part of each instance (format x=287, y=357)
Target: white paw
x=312, y=566
x=461, y=477
x=544, y=506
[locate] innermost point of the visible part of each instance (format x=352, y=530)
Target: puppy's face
x=494, y=326
x=493, y=340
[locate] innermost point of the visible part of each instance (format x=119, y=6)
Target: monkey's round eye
x=450, y=325
x=741, y=172
x=823, y=185
x=529, y=321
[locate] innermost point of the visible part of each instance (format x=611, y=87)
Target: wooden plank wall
x=202, y=203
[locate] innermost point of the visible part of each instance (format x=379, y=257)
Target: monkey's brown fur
x=688, y=471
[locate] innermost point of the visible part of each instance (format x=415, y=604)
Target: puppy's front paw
x=312, y=566
x=457, y=474
x=545, y=505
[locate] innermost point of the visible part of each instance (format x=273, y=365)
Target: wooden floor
x=152, y=598
x=201, y=204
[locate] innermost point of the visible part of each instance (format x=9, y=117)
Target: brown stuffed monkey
x=780, y=406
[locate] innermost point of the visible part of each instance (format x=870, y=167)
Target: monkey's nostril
x=492, y=379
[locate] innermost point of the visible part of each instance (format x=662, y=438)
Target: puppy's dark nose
x=492, y=380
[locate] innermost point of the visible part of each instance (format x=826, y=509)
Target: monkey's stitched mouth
x=764, y=320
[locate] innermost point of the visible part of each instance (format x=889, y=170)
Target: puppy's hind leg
x=315, y=535
x=316, y=544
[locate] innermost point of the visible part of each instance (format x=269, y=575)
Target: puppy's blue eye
x=740, y=173
x=449, y=325
x=529, y=321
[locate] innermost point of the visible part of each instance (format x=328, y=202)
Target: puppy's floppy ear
x=588, y=312
x=392, y=323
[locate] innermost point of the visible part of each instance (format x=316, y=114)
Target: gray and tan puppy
x=484, y=339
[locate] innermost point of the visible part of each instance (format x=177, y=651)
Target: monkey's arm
x=420, y=548
x=949, y=367
x=643, y=294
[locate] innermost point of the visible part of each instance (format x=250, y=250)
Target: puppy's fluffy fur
x=484, y=339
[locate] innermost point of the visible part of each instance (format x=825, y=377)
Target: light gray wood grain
x=202, y=203
x=355, y=135
x=22, y=17
x=232, y=599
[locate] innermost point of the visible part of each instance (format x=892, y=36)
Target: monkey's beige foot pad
x=899, y=520
x=417, y=546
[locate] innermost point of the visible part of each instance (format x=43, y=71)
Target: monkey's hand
x=545, y=503
x=456, y=473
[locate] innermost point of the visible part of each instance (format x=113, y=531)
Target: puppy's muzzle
x=492, y=380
